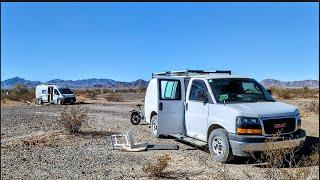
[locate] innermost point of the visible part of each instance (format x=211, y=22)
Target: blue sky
x=129, y=41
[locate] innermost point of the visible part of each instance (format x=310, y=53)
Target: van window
x=44, y=91
x=56, y=92
x=197, y=85
x=170, y=89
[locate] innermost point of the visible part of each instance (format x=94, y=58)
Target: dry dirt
x=34, y=145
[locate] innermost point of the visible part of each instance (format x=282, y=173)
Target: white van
x=231, y=114
x=54, y=94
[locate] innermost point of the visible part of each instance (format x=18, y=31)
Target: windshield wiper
x=264, y=99
x=236, y=99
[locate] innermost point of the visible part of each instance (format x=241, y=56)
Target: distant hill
x=9, y=83
x=84, y=83
x=290, y=84
x=109, y=83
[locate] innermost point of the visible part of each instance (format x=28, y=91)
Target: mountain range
x=84, y=83
x=290, y=84
x=109, y=83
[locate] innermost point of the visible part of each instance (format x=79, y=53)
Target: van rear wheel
x=154, y=126
x=219, y=146
x=40, y=102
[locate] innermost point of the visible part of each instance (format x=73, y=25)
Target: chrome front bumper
x=243, y=146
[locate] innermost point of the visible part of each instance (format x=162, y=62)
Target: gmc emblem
x=281, y=125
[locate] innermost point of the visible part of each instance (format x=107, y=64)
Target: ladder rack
x=188, y=73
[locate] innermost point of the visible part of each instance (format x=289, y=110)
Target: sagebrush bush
x=73, y=118
x=157, y=169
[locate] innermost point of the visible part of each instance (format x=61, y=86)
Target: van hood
x=264, y=109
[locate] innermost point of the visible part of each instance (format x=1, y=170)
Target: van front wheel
x=154, y=126
x=219, y=146
x=59, y=102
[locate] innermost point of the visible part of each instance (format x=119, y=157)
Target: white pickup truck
x=232, y=115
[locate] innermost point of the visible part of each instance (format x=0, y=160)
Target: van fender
x=212, y=127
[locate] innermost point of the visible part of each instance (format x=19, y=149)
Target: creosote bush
x=73, y=118
x=157, y=169
x=19, y=93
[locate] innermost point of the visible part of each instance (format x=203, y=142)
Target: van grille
x=283, y=125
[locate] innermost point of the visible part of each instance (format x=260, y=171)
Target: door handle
x=160, y=106
x=186, y=106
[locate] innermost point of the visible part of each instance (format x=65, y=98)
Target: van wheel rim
x=154, y=127
x=217, y=146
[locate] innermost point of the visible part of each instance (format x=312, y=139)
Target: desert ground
x=34, y=145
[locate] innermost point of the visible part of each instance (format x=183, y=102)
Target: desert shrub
x=20, y=93
x=286, y=93
x=80, y=92
x=113, y=97
x=313, y=106
x=157, y=169
x=73, y=118
x=92, y=94
x=141, y=89
x=105, y=91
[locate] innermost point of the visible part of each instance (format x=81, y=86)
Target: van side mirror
x=269, y=91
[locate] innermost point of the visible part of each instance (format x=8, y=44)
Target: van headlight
x=298, y=119
x=248, y=126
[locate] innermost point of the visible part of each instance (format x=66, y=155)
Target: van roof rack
x=188, y=73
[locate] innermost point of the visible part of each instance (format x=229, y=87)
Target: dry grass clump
x=113, y=97
x=157, y=169
x=19, y=93
x=73, y=118
x=288, y=163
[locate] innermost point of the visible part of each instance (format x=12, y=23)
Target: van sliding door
x=171, y=106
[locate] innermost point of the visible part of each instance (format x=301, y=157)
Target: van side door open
x=55, y=95
x=171, y=106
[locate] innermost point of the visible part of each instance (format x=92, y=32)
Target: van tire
x=154, y=126
x=40, y=102
x=219, y=146
x=59, y=102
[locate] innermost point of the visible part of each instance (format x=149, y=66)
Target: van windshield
x=65, y=91
x=238, y=90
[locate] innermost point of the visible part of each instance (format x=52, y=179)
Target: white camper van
x=54, y=94
x=233, y=115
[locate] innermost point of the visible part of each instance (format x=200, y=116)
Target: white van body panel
x=196, y=115
x=264, y=109
x=151, y=100
x=223, y=116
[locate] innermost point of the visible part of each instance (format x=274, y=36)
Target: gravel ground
x=34, y=145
